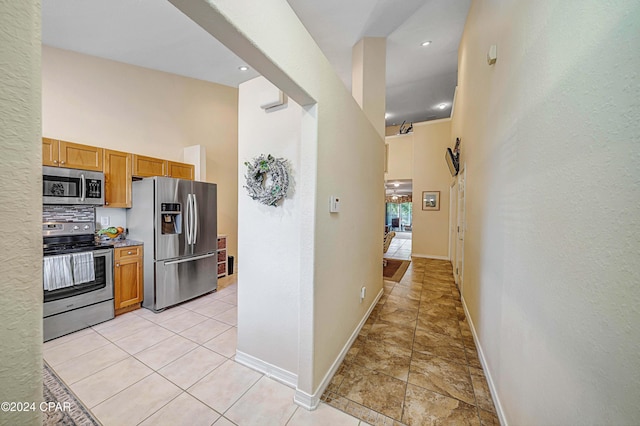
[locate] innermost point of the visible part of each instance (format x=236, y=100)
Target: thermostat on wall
x=334, y=204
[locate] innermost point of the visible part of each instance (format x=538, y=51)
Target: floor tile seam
x=70, y=339
x=357, y=417
x=204, y=403
x=178, y=332
x=374, y=371
x=132, y=333
x=107, y=327
x=128, y=355
x=201, y=344
x=78, y=356
x=449, y=396
x=161, y=367
x=209, y=373
x=245, y=392
x=193, y=308
x=185, y=354
x=214, y=351
x=144, y=349
x=172, y=399
x=120, y=391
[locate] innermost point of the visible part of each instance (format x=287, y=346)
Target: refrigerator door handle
x=195, y=218
x=189, y=259
x=187, y=221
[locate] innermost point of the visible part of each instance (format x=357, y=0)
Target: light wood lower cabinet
x=128, y=278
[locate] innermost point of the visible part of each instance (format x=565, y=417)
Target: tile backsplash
x=56, y=213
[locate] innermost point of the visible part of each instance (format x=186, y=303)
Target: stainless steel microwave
x=71, y=186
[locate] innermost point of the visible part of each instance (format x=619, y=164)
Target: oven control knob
x=76, y=227
x=85, y=227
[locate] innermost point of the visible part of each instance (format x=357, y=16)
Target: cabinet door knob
x=117, y=265
x=129, y=252
x=62, y=162
x=106, y=203
x=55, y=161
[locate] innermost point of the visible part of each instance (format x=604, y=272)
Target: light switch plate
x=104, y=221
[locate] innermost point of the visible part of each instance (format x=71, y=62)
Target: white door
x=459, y=266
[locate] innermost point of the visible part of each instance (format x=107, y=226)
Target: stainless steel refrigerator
x=176, y=220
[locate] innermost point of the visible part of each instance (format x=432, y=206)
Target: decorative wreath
x=258, y=171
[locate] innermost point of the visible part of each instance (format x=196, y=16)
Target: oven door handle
x=83, y=184
x=189, y=259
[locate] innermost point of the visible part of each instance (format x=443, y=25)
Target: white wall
x=21, y=211
x=118, y=106
x=341, y=154
x=550, y=137
x=269, y=238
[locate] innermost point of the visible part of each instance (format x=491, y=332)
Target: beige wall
x=400, y=157
x=118, y=106
x=430, y=236
x=341, y=154
x=21, y=211
x=550, y=140
x=368, y=77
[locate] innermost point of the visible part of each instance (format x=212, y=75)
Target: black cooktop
x=69, y=244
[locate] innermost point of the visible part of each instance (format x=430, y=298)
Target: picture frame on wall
x=430, y=200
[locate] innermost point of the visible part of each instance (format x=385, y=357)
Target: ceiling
x=398, y=187
x=154, y=34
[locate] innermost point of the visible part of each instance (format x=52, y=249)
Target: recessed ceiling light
x=243, y=68
x=426, y=43
x=442, y=106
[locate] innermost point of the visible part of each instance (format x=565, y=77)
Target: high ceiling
x=154, y=34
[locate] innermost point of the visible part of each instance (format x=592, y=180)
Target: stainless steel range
x=77, y=278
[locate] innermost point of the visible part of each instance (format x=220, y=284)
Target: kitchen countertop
x=121, y=243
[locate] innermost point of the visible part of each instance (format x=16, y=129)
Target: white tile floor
x=400, y=247
x=176, y=368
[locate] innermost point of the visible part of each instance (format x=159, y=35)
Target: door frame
x=462, y=226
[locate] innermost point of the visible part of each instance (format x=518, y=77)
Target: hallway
x=415, y=361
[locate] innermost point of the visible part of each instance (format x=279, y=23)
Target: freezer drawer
x=178, y=280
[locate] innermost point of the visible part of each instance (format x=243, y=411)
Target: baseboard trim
x=429, y=256
x=487, y=372
x=306, y=401
x=311, y=402
x=283, y=376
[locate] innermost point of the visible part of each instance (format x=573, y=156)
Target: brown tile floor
x=415, y=362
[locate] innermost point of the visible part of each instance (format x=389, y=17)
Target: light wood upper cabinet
x=71, y=155
x=181, y=170
x=117, y=177
x=149, y=166
x=50, y=152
